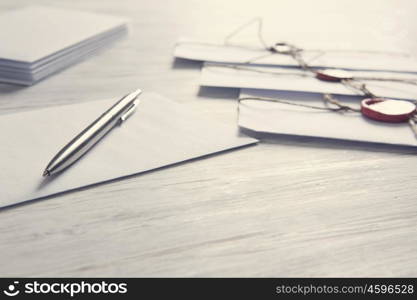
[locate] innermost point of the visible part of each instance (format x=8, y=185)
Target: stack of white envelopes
x=368, y=94
x=38, y=41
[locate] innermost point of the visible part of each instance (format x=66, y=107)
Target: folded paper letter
x=160, y=133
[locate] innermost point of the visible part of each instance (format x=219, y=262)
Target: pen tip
x=136, y=93
x=46, y=173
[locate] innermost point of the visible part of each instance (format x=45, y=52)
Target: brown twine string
x=251, y=69
x=296, y=53
x=326, y=97
x=258, y=21
x=272, y=50
x=412, y=122
x=350, y=83
x=330, y=99
x=291, y=50
x=359, y=87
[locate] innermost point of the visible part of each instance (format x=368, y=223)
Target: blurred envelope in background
x=294, y=79
x=281, y=118
x=37, y=41
x=332, y=58
x=160, y=133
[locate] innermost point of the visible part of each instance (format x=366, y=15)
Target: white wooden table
x=287, y=207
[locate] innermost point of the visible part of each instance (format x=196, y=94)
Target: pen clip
x=129, y=112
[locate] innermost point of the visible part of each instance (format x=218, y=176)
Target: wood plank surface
x=287, y=207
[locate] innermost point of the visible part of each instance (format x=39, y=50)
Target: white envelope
x=280, y=118
x=294, y=79
x=37, y=41
x=332, y=58
x=15, y=75
x=160, y=133
x=36, y=32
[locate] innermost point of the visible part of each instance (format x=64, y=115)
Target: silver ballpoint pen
x=86, y=139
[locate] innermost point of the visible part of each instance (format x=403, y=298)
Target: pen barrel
x=86, y=139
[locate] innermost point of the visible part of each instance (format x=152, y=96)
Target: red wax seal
x=387, y=110
x=333, y=75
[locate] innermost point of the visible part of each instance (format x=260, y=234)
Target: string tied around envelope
x=278, y=48
x=295, y=52
x=373, y=107
x=332, y=75
x=284, y=48
x=405, y=112
x=328, y=99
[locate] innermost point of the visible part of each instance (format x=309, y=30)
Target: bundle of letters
x=349, y=94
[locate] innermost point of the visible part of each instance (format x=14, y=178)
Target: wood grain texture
x=287, y=207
